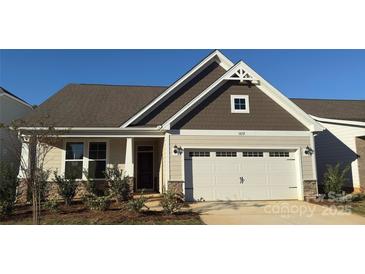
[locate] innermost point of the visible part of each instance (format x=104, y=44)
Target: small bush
x=118, y=184
x=171, y=201
x=51, y=205
x=335, y=178
x=137, y=204
x=358, y=197
x=91, y=186
x=41, y=178
x=8, y=185
x=66, y=187
x=94, y=202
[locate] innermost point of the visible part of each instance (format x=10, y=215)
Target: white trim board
x=216, y=55
x=197, y=132
x=338, y=121
x=263, y=85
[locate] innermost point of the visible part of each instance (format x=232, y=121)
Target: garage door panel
x=255, y=192
x=219, y=178
x=227, y=193
x=282, y=192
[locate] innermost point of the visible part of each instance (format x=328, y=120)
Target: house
x=220, y=132
x=343, y=141
x=11, y=108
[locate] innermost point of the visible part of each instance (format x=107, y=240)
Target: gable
x=182, y=96
x=214, y=113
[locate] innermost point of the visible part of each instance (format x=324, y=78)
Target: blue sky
x=34, y=75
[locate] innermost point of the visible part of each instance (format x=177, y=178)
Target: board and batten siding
x=176, y=161
x=338, y=145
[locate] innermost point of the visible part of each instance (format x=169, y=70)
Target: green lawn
x=358, y=207
x=77, y=214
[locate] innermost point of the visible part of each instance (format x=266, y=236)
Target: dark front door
x=145, y=170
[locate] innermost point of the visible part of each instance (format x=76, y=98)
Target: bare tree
x=36, y=143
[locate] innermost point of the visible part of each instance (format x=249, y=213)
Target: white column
x=129, y=161
x=24, y=161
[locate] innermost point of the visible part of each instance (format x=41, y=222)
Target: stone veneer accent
x=310, y=189
x=176, y=186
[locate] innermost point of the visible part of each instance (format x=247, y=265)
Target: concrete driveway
x=273, y=213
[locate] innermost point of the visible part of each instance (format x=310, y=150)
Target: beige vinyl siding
x=53, y=159
x=338, y=145
x=176, y=161
x=117, y=153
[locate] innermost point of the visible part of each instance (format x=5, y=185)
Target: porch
x=141, y=158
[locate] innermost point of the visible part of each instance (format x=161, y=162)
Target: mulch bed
x=78, y=214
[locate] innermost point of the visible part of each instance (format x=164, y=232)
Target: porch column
x=24, y=161
x=129, y=161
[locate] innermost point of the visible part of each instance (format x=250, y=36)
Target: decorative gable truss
x=241, y=75
x=244, y=73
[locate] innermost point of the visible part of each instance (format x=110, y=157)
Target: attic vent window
x=240, y=104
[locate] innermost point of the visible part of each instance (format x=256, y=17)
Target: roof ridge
x=318, y=99
x=115, y=85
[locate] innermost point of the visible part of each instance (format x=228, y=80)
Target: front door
x=145, y=168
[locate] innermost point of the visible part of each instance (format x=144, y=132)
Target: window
x=74, y=160
x=199, y=154
x=279, y=154
x=252, y=154
x=240, y=104
x=97, y=160
x=226, y=154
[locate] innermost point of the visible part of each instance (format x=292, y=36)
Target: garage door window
x=252, y=154
x=226, y=154
x=279, y=154
x=199, y=154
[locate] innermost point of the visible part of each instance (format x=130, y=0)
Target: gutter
x=337, y=121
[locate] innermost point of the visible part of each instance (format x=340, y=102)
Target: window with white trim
x=199, y=154
x=97, y=160
x=226, y=154
x=279, y=154
x=252, y=154
x=240, y=104
x=74, y=160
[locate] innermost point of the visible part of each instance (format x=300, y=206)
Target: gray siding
x=215, y=112
x=176, y=161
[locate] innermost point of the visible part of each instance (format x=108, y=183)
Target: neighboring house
x=344, y=140
x=220, y=132
x=11, y=108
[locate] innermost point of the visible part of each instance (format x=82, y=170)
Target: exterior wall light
x=308, y=151
x=177, y=150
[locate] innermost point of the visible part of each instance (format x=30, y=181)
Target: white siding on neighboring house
x=338, y=145
x=10, y=109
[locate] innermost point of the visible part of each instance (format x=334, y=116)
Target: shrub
x=335, y=178
x=137, y=204
x=358, y=197
x=118, y=184
x=66, y=187
x=8, y=185
x=94, y=202
x=51, y=205
x=171, y=201
x=41, y=178
x=91, y=186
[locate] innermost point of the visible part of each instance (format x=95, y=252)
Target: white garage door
x=240, y=175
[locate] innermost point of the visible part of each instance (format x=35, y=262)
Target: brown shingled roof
x=84, y=105
x=353, y=110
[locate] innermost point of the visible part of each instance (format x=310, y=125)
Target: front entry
x=145, y=168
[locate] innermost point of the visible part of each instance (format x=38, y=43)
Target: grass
x=358, y=207
x=78, y=214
